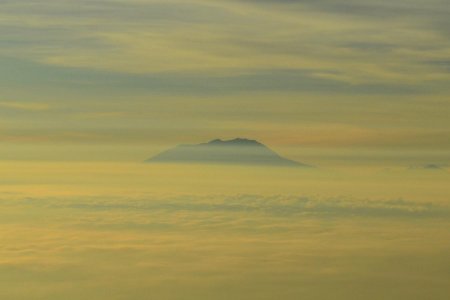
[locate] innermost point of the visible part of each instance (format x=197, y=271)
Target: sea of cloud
x=243, y=246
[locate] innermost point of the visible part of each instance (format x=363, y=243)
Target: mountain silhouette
x=236, y=151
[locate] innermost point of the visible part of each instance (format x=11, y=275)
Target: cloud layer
x=342, y=41
x=254, y=247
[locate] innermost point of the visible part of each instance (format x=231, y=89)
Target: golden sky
x=325, y=74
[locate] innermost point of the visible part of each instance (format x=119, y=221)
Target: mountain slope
x=237, y=151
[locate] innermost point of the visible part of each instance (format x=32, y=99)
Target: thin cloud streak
x=261, y=37
x=26, y=106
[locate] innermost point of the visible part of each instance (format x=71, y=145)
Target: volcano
x=239, y=151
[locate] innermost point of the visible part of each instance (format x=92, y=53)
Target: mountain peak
x=235, y=142
x=235, y=151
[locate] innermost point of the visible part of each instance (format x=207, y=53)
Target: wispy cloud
x=26, y=106
x=273, y=206
x=234, y=37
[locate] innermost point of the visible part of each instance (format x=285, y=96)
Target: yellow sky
x=327, y=74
